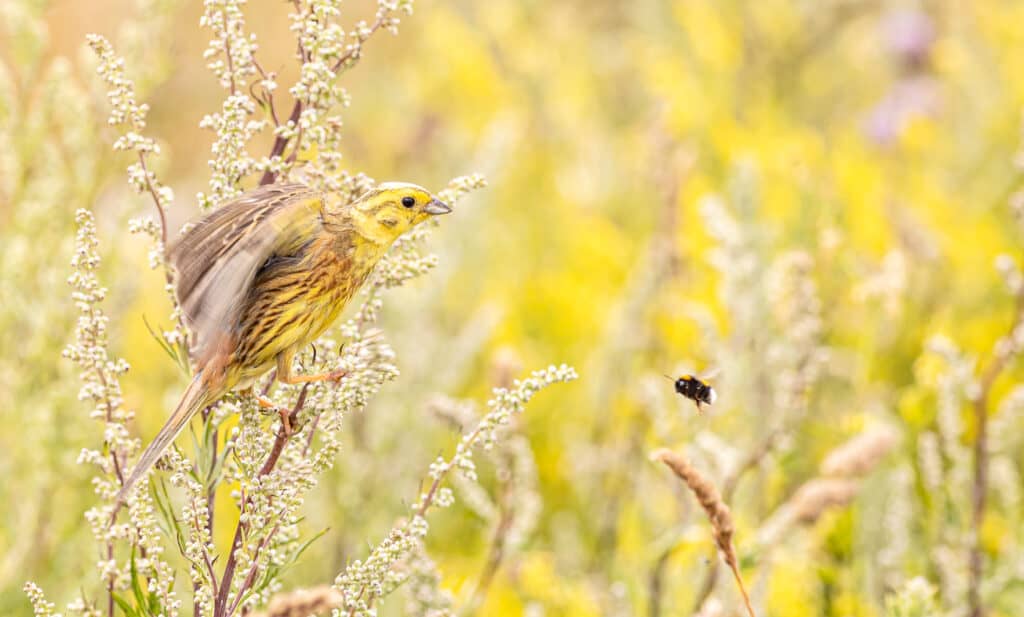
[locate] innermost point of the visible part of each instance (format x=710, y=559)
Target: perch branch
x=284, y=433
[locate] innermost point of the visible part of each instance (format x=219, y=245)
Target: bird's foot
x=267, y=407
x=333, y=376
x=337, y=375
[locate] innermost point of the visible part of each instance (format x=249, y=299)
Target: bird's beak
x=437, y=206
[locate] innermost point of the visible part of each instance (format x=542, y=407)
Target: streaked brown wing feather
x=216, y=261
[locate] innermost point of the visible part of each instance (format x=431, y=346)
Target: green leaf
x=167, y=514
x=218, y=466
x=137, y=591
x=307, y=544
x=128, y=609
x=174, y=353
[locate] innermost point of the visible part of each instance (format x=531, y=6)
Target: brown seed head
x=303, y=603
x=819, y=494
x=710, y=499
x=861, y=454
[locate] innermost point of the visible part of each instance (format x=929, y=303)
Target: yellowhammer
x=263, y=276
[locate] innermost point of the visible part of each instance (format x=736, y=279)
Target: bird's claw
x=284, y=414
x=267, y=406
x=337, y=375
x=286, y=423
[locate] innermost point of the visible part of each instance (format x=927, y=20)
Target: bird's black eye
x=408, y=202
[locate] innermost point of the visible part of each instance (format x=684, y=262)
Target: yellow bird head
x=392, y=208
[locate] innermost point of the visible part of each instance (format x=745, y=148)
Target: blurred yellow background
x=783, y=190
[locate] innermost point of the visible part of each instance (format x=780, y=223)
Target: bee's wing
x=684, y=371
x=711, y=373
x=216, y=261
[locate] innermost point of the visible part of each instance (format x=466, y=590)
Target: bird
x=261, y=277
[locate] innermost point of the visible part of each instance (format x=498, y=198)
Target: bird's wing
x=216, y=261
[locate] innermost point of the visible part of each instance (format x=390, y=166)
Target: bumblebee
x=696, y=389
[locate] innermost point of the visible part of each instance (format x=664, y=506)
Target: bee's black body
x=695, y=389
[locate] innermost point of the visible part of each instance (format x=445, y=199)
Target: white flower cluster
x=775, y=347
x=230, y=56
x=325, y=50
x=506, y=403
x=364, y=582
x=798, y=356
x=471, y=493
x=130, y=115
x=270, y=499
x=100, y=375
x=888, y=283
x=230, y=161
x=426, y=597
x=915, y=599
x=101, y=385
x=955, y=384
x=146, y=536
x=516, y=504
x=40, y=607
x=197, y=544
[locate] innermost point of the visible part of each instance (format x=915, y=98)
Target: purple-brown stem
x=109, y=405
x=250, y=577
x=281, y=142
x=220, y=607
x=156, y=201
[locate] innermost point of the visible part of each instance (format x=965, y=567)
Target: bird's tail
x=196, y=396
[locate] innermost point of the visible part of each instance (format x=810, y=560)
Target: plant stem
x=159, y=205
x=729, y=484
x=1005, y=351
x=281, y=142
x=718, y=513
x=220, y=607
x=975, y=608
x=496, y=553
x=656, y=582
